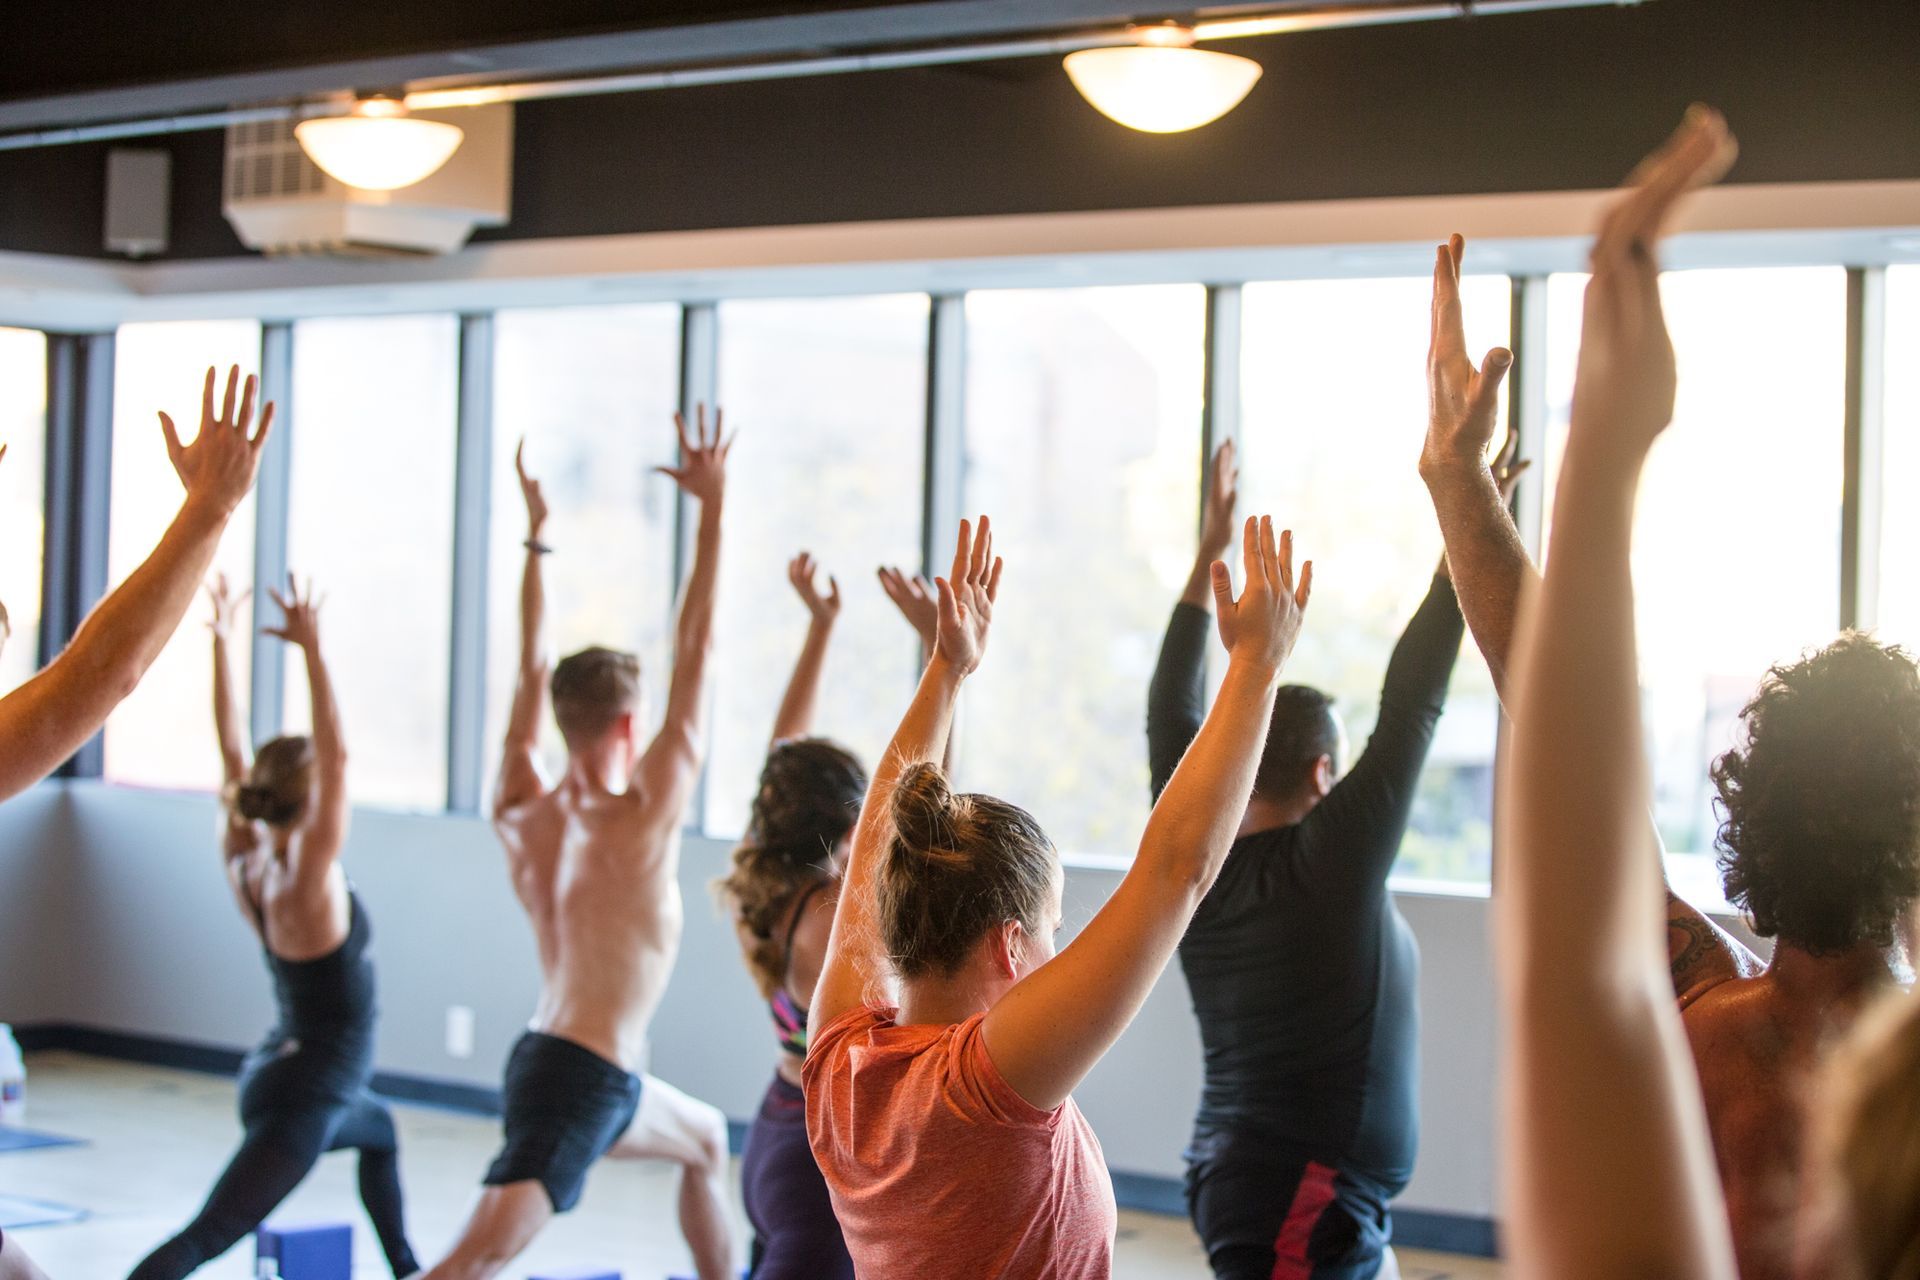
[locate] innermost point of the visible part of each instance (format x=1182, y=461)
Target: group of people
x=1671, y=1106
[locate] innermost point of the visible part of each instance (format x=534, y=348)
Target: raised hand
x=530, y=491
x=966, y=598
x=1263, y=624
x=824, y=608
x=1223, y=491
x=1462, y=401
x=219, y=466
x=301, y=625
x=703, y=457
x=226, y=605
x=914, y=596
x=1508, y=465
x=1624, y=383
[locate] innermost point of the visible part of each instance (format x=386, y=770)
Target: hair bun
x=263, y=804
x=923, y=807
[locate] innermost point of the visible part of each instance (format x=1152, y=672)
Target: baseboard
x=1143, y=1192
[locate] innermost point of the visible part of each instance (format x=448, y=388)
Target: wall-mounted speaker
x=139, y=190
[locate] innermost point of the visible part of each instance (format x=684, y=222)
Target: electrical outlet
x=459, y=1031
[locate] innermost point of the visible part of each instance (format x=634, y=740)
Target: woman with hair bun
x=941, y=1113
x=304, y=1090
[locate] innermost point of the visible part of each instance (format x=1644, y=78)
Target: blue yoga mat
x=32, y=1139
x=18, y=1211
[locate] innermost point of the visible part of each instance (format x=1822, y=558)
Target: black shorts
x=1264, y=1212
x=562, y=1106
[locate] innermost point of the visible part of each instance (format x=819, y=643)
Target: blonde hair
x=1864, y=1214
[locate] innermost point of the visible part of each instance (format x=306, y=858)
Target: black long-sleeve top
x=1303, y=973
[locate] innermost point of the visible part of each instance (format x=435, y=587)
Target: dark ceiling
x=78, y=62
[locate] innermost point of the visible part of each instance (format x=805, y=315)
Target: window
x=1083, y=444
x=1737, y=532
x=829, y=398
x=371, y=521
x=23, y=427
x=162, y=735
x=1899, y=614
x=593, y=390
x=1334, y=404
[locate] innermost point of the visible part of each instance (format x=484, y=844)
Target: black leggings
x=279, y=1149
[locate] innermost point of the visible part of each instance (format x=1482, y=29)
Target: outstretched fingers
x=1304, y=591
x=226, y=405
x=206, y=399
x=245, y=419
x=172, y=437
x=962, y=554
x=1283, y=561
x=259, y=436
x=1250, y=560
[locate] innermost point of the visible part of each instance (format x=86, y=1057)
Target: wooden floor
x=157, y=1138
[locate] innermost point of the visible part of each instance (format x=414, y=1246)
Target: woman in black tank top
x=303, y=1090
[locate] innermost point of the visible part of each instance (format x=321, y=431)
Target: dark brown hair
x=957, y=867
x=1820, y=805
x=1300, y=731
x=276, y=786
x=809, y=798
x=592, y=689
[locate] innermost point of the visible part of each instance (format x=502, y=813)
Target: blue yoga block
x=578, y=1273
x=308, y=1250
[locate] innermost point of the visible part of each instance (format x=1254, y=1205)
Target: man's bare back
x=1759, y=1034
x=595, y=860
x=598, y=875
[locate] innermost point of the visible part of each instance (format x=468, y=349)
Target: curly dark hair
x=1820, y=807
x=809, y=799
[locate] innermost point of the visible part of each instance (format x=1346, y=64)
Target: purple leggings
x=795, y=1235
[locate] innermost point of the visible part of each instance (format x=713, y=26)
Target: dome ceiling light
x=379, y=146
x=1161, y=83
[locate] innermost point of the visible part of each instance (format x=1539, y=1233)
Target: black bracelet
x=538, y=547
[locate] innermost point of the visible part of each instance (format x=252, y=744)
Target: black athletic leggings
x=279, y=1149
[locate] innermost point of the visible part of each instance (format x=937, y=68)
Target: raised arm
x=803, y=687
x=918, y=603
x=239, y=835
x=328, y=810
x=520, y=779
x=53, y=714
x=1611, y=1170
x=965, y=606
x=1492, y=572
x=1177, y=694
x=1052, y=1027
x=671, y=763
x=1486, y=559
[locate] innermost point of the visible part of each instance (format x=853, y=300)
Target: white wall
x=113, y=914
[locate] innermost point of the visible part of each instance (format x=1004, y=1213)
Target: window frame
x=79, y=416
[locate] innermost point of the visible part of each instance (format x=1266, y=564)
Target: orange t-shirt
x=939, y=1169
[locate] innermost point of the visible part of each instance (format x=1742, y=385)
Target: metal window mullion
x=1220, y=410
x=1863, y=466
x=699, y=385
x=1527, y=416
x=472, y=512
x=1527, y=405
x=272, y=506
x=944, y=490
x=78, y=480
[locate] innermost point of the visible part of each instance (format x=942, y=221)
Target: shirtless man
x=52, y=715
x=1821, y=846
x=595, y=861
